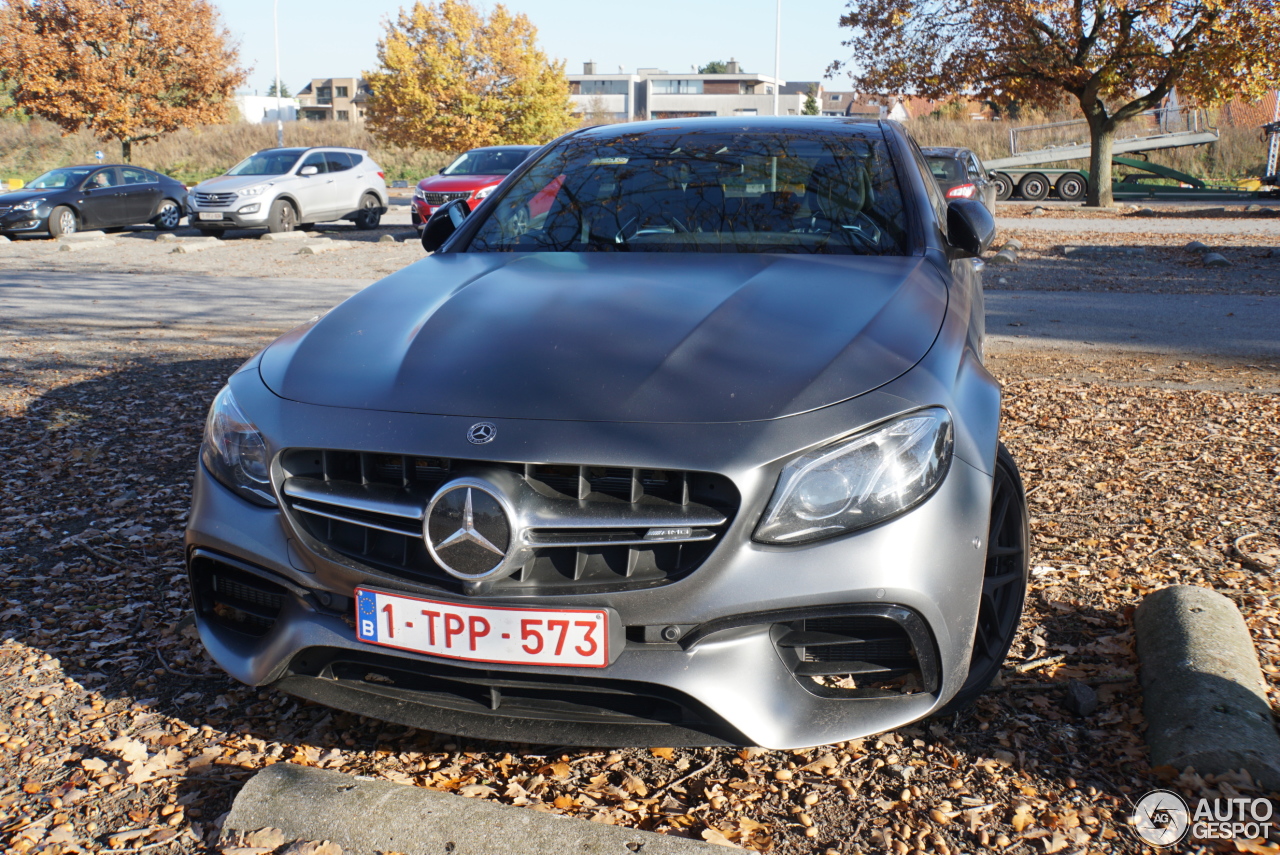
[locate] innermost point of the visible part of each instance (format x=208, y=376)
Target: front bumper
x=228, y=219
x=25, y=221
x=733, y=682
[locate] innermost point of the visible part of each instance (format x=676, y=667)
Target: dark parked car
x=961, y=175
x=703, y=451
x=472, y=176
x=74, y=198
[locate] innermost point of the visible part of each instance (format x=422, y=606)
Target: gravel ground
x=242, y=253
x=122, y=736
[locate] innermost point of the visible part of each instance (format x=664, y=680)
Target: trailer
x=1025, y=172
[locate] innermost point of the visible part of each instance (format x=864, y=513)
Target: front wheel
x=370, y=213
x=282, y=217
x=1004, y=581
x=169, y=216
x=62, y=221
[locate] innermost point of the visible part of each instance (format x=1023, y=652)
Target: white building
x=262, y=108
x=651, y=93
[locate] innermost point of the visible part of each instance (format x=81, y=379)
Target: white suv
x=281, y=189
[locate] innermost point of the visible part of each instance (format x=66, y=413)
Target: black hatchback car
x=74, y=198
x=961, y=174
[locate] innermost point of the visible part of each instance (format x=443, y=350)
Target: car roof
x=303, y=149
x=774, y=124
x=943, y=151
x=504, y=148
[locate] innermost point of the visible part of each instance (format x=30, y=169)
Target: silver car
x=683, y=435
x=281, y=189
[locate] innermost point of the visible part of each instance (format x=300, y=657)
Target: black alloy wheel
x=369, y=216
x=282, y=217
x=1034, y=187
x=1004, y=581
x=169, y=216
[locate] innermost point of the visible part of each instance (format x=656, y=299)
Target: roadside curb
x=1203, y=694
x=366, y=817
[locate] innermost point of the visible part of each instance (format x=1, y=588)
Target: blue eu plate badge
x=367, y=615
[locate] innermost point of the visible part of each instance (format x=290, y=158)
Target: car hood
x=616, y=337
x=456, y=183
x=19, y=196
x=228, y=183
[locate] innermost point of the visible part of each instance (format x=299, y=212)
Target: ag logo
x=1161, y=818
x=482, y=432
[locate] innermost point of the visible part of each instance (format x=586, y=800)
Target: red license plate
x=505, y=635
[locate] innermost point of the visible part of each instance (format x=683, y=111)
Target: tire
x=1005, y=575
x=283, y=218
x=1072, y=187
x=169, y=217
x=369, y=214
x=1033, y=187
x=63, y=221
x=1004, y=186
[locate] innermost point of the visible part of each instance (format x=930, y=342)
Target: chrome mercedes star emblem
x=468, y=533
x=482, y=432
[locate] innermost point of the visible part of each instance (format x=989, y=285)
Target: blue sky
x=328, y=38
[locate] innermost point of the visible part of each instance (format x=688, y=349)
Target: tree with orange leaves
x=453, y=78
x=1118, y=58
x=128, y=70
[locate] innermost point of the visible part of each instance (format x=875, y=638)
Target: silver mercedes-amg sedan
x=682, y=436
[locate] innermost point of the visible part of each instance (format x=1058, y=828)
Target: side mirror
x=970, y=226
x=441, y=170
x=308, y=170
x=443, y=223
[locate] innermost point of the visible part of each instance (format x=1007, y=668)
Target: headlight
x=29, y=205
x=860, y=481
x=252, y=191
x=234, y=451
x=419, y=193
x=483, y=192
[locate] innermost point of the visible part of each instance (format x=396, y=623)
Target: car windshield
x=945, y=169
x=267, y=163
x=826, y=190
x=486, y=162
x=58, y=179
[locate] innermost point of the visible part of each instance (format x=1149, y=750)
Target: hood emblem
x=482, y=432
x=468, y=530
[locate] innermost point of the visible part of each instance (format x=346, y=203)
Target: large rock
x=1203, y=695
x=364, y=817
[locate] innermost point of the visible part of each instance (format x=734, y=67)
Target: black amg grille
x=433, y=198
x=862, y=654
x=606, y=528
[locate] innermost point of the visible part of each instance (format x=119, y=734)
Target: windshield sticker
x=609, y=161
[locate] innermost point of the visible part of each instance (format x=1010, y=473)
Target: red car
x=472, y=177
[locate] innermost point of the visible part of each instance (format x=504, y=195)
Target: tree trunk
x=1102, y=133
x=126, y=150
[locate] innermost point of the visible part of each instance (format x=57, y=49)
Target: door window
x=316, y=159
x=102, y=178
x=976, y=172
x=338, y=161
x=133, y=175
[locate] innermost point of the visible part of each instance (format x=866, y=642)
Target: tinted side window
x=976, y=171
x=316, y=159
x=136, y=176
x=338, y=161
x=103, y=178
x=931, y=187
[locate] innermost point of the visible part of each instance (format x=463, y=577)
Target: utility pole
x=777, y=58
x=279, y=114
